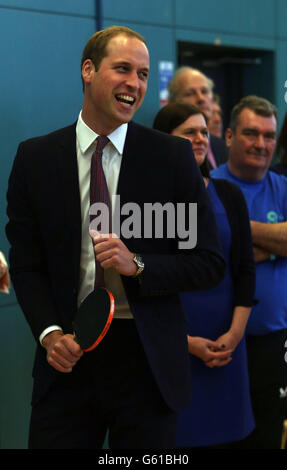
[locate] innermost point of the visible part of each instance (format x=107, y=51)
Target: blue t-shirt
x=267, y=202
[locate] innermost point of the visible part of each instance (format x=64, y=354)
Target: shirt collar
x=86, y=136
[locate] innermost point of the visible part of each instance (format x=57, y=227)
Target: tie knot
x=102, y=141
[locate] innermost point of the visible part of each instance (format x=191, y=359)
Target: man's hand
x=111, y=252
x=62, y=351
x=260, y=254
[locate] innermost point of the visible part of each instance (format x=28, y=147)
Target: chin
x=200, y=155
x=199, y=160
x=257, y=163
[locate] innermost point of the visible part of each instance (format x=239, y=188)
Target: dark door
x=236, y=72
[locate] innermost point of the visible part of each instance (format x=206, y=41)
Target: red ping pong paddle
x=93, y=318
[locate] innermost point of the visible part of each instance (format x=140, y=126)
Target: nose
x=132, y=80
x=199, y=137
x=260, y=142
x=200, y=96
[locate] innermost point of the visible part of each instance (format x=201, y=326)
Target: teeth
x=127, y=98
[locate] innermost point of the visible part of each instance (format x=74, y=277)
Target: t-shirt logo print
x=272, y=217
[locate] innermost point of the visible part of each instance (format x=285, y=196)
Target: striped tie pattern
x=99, y=193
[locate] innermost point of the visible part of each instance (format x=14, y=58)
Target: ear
x=228, y=137
x=88, y=71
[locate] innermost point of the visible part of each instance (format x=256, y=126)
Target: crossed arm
x=268, y=239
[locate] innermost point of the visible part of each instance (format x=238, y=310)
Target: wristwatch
x=140, y=264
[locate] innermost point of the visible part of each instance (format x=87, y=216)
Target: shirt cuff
x=47, y=331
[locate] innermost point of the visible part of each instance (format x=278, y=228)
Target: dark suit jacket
x=44, y=230
x=219, y=149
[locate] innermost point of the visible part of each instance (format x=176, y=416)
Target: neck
x=97, y=123
x=247, y=173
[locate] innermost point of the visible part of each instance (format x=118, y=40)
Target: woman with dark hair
x=281, y=150
x=220, y=412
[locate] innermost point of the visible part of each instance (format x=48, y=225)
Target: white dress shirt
x=112, y=157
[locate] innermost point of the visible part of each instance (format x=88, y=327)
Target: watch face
x=140, y=264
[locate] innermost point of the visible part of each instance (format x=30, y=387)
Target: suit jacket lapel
x=129, y=164
x=67, y=167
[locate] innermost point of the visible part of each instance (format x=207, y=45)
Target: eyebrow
x=203, y=87
x=191, y=129
x=127, y=63
x=254, y=129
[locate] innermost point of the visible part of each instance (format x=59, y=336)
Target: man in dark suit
x=190, y=85
x=136, y=379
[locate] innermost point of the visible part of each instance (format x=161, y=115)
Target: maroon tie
x=99, y=193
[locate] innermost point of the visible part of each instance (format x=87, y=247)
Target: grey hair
x=173, y=84
x=258, y=105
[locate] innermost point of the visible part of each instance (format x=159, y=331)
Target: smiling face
x=117, y=89
x=195, y=130
x=251, y=145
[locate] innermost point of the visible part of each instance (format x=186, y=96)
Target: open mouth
x=126, y=99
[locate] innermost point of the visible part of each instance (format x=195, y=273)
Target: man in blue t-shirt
x=251, y=140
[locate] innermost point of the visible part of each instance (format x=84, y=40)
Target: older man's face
x=193, y=88
x=252, y=145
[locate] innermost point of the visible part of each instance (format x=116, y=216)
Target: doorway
x=236, y=72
